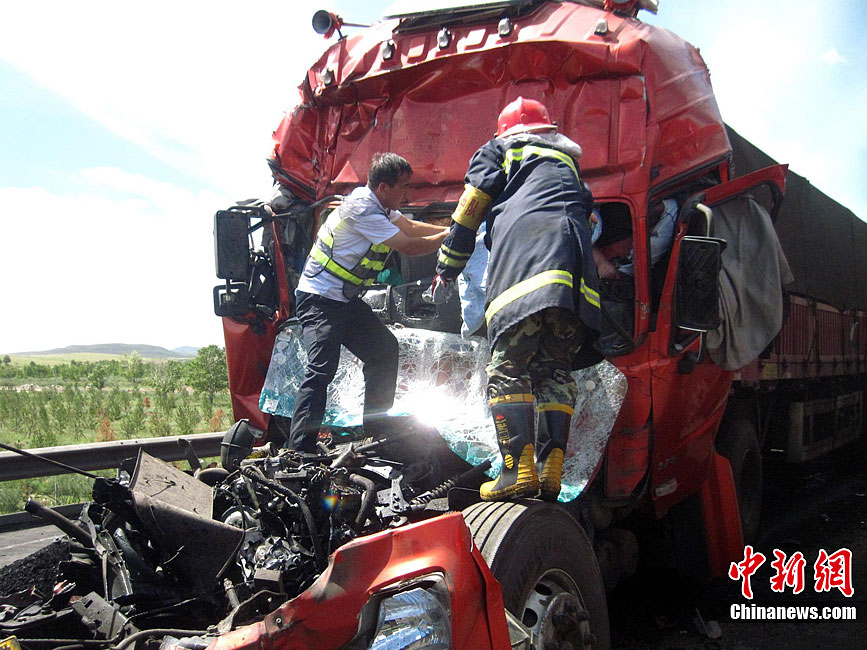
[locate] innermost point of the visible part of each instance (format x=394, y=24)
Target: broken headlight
x=416, y=618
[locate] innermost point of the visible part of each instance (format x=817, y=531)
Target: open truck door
x=692, y=313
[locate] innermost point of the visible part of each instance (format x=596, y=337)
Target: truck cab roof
x=636, y=97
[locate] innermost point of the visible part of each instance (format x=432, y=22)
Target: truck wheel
x=740, y=445
x=547, y=569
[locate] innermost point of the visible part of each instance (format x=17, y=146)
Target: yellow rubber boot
x=514, y=423
x=551, y=438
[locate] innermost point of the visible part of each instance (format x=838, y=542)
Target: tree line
x=91, y=401
x=68, y=403
x=205, y=373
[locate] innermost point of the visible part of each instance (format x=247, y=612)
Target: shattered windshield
x=441, y=382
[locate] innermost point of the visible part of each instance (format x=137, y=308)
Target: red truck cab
x=638, y=99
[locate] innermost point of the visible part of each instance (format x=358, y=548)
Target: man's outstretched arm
x=417, y=245
x=417, y=228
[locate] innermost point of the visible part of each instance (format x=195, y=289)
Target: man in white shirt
x=350, y=250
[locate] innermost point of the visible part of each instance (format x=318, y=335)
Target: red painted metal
x=628, y=455
x=774, y=176
x=721, y=516
x=639, y=101
x=247, y=356
x=326, y=616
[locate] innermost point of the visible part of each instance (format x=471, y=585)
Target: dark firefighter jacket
x=538, y=233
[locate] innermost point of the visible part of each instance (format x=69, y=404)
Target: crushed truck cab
x=689, y=329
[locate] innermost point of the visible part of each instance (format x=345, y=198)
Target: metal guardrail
x=21, y=520
x=106, y=455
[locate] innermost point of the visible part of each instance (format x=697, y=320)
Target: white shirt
x=361, y=227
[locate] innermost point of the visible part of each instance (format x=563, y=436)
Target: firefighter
x=542, y=300
x=350, y=250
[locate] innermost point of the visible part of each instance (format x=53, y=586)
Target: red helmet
x=523, y=115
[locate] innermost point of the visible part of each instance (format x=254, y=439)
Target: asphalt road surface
x=805, y=510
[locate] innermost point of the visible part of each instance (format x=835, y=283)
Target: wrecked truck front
x=424, y=582
x=350, y=547
x=429, y=85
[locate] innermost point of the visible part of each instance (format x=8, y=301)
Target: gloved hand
x=439, y=290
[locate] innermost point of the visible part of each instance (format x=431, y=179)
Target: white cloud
x=833, y=57
x=202, y=85
x=134, y=265
x=199, y=84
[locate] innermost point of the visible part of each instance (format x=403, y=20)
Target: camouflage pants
x=535, y=356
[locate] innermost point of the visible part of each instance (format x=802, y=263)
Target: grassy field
x=102, y=400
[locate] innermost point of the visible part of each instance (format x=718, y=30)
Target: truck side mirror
x=696, y=305
x=231, y=244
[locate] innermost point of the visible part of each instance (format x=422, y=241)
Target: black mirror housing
x=696, y=305
x=231, y=244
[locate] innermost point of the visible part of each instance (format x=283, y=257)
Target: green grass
x=49, y=490
x=47, y=401
x=46, y=418
x=61, y=490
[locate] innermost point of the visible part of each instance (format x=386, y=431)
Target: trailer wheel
x=740, y=445
x=547, y=569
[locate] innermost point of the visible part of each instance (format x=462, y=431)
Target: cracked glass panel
x=441, y=381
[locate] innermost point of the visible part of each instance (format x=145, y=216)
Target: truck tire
x=547, y=569
x=740, y=445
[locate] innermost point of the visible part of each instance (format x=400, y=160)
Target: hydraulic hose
x=443, y=489
x=53, y=517
x=366, y=501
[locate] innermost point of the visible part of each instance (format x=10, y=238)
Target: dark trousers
x=326, y=325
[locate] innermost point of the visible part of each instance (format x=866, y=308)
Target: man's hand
x=439, y=291
x=418, y=228
x=604, y=267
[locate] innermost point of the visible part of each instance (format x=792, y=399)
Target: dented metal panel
x=637, y=98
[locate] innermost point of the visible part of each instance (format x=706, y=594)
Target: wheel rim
x=555, y=613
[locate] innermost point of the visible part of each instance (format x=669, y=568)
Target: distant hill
x=146, y=351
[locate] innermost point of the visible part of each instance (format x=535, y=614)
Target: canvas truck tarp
x=824, y=242
x=754, y=272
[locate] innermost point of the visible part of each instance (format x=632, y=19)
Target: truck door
x=689, y=391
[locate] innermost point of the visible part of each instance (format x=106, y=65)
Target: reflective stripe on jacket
x=538, y=232
x=363, y=273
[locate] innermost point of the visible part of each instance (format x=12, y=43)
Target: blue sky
x=124, y=127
